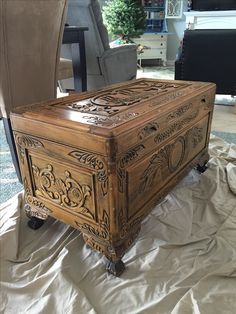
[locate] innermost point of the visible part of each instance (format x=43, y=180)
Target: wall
x=176, y=29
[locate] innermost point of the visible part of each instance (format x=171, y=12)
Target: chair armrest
x=124, y=48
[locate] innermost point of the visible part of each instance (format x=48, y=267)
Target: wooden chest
x=100, y=161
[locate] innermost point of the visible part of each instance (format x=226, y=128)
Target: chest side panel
x=66, y=182
x=147, y=178
x=158, y=154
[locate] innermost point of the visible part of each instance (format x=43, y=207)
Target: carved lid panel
x=113, y=106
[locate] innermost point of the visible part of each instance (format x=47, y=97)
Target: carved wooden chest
x=100, y=161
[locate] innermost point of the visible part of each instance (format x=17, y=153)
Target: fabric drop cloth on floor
x=184, y=259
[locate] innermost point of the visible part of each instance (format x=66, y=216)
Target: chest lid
x=114, y=109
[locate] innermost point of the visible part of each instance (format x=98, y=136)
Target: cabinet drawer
x=151, y=37
x=154, y=53
x=155, y=44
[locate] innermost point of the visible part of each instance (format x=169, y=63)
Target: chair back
x=87, y=13
x=209, y=55
x=30, y=39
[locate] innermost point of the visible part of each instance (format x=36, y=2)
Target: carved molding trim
x=111, y=121
x=176, y=126
x=94, y=162
x=179, y=112
x=100, y=231
x=66, y=192
x=94, y=244
x=168, y=97
x=129, y=156
x=125, y=227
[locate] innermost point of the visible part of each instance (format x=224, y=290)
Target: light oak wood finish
x=100, y=161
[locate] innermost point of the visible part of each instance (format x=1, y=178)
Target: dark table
x=74, y=35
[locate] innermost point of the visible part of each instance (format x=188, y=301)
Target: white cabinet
x=154, y=44
x=210, y=19
x=154, y=40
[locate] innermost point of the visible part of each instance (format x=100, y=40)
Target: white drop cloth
x=184, y=260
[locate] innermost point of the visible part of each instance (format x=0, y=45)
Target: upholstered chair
x=209, y=55
x=105, y=65
x=30, y=41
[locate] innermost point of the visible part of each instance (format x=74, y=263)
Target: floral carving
x=157, y=162
x=196, y=135
x=66, y=192
x=111, y=121
x=92, y=161
x=28, y=142
x=124, y=161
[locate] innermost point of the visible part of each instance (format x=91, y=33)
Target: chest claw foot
x=202, y=168
x=115, y=268
x=35, y=223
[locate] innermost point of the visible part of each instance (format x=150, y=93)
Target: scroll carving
x=66, y=192
x=36, y=208
x=92, y=161
x=112, y=102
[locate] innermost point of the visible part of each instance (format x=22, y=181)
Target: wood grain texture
x=100, y=161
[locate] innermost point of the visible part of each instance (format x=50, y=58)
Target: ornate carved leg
x=114, y=264
x=115, y=268
x=202, y=163
x=113, y=251
x=202, y=168
x=36, y=218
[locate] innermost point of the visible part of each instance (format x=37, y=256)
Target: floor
x=224, y=118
